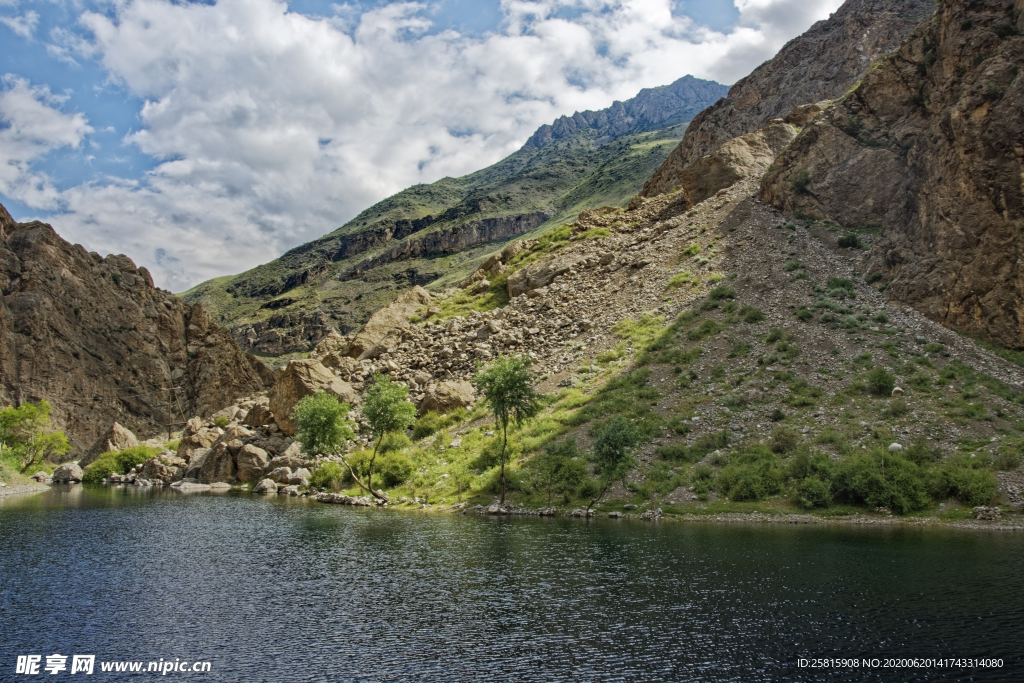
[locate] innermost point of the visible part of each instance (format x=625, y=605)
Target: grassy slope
x=565, y=178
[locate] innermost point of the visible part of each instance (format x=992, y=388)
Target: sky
x=204, y=138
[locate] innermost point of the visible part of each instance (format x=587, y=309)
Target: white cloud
x=242, y=97
x=33, y=125
x=23, y=25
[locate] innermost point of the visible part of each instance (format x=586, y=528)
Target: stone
x=117, y=438
x=481, y=287
x=398, y=312
x=281, y=475
x=265, y=486
x=166, y=467
x=300, y=477
x=447, y=396
x=301, y=378
x=251, y=463
x=259, y=415
x=541, y=274
x=984, y=512
x=67, y=473
x=213, y=464
x=332, y=344
x=291, y=490
x=652, y=515
x=895, y=447
x=200, y=440
x=897, y=391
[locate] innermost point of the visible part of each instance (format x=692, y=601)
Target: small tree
x=322, y=427
x=387, y=409
x=507, y=386
x=27, y=432
x=612, y=451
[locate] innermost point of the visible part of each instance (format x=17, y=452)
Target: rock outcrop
x=821, y=64
x=444, y=397
x=96, y=339
x=67, y=474
x=395, y=314
x=117, y=438
x=301, y=378
x=930, y=148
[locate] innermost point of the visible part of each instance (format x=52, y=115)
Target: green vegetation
x=27, y=437
x=387, y=410
x=850, y=241
x=507, y=387
x=800, y=182
x=612, y=453
x=117, y=462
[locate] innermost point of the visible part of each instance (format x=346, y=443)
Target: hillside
x=436, y=234
x=925, y=158
x=95, y=338
x=823, y=63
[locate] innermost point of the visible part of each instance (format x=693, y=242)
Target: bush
x=117, y=462
x=704, y=330
x=393, y=469
x=881, y=382
x=813, y=492
x=432, y=423
x=329, y=475
x=800, y=181
x=966, y=479
x=849, y=241
x=783, y=440
x=882, y=479
x=751, y=315
x=221, y=421
x=754, y=475
x=691, y=250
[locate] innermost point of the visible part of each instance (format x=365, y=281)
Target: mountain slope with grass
x=436, y=234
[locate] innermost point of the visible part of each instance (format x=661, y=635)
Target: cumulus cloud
x=33, y=126
x=23, y=25
x=273, y=128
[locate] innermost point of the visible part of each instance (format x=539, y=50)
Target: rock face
x=395, y=314
x=744, y=157
x=822, y=64
x=96, y=339
x=930, y=148
x=444, y=397
x=301, y=378
x=117, y=438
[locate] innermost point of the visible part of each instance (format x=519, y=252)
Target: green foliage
x=629, y=395
x=800, y=181
x=880, y=382
x=394, y=468
x=783, y=440
x=752, y=315
x=117, y=462
x=965, y=478
x=881, y=479
x=329, y=475
x=706, y=329
x=221, y=421
x=849, y=241
x=691, y=250
x=27, y=435
x=702, y=446
x=774, y=335
x=680, y=279
x=813, y=492
x=839, y=288
x=322, y=425
x=431, y=422
x=386, y=406
x=613, y=447
x=560, y=470
x=754, y=474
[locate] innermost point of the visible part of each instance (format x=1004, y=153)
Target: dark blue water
x=290, y=590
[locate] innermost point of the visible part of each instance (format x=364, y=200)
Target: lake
x=293, y=590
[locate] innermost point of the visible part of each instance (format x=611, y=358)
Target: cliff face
x=821, y=64
x=931, y=148
x=92, y=336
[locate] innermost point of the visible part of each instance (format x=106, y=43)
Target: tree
x=27, y=431
x=322, y=427
x=387, y=409
x=612, y=451
x=507, y=386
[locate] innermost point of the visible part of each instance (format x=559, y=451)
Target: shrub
x=393, y=468
x=394, y=441
x=783, y=440
x=680, y=279
x=800, y=181
x=774, y=335
x=897, y=408
x=813, y=492
x=777, y=416
x=431, y=423
x=882, y=479
x=966, y=479
x=1008, y=457
x=221, y=421
x=721, y=293
x=754, y=475
x=751, y=315
x=804, y=314
x=117, y=462
x=881, y=382
x=705, y=329
x=691, y=250
x=329, y=475
x=849, y=241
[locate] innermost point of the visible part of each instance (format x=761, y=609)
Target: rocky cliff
x=930, y=149
x=821, y=64
x=96, y=339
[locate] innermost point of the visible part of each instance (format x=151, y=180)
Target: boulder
x=541, y=274
x=166, y=467
x=289, y=490
x=41, y=477
x=444, y=397
x=259, y=415
x=193, y=425
x=117, y=438
x=398, y=312
x=67, y=473
x=332, y=344
x=281, y=475
x=265, y=486
x=301, y=378
x=232, y=413
x=251, y=463
x=291, y=460
x=203, y=438
x=300, y=477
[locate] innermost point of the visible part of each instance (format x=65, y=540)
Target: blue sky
x=202, y=139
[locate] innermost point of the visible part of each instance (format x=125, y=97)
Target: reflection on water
x=287, y=589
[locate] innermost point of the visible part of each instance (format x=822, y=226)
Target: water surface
x=293, y=590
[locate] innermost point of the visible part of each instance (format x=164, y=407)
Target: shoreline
x=22, y=489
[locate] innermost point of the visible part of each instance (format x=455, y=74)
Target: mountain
x=928, y=153
x=438, y=233
x=823, y=63
x=96, y=339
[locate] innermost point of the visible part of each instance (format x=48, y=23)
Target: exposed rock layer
x=931, y=148
x=821, y=64
x=96, y=339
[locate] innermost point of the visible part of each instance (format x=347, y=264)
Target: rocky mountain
x=95, y=338
x=823, y=63
x=439, y=233
x=928, y=152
